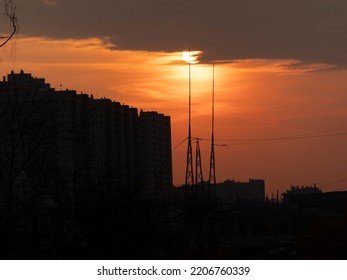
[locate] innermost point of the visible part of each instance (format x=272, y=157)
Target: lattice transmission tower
x=199, y=179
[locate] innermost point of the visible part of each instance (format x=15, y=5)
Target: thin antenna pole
x=189, y=182
x=212, y=176
x=190, y=94
x=213, y=103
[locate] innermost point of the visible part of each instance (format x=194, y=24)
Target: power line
x=252, y=140
x=179, y=144
x=243, y=141
x=196, y=138
x=335, y=182
x=320, y=131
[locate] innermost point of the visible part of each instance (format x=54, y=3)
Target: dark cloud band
x=307, y=30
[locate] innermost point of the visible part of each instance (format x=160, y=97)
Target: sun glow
x=254, y=98
x=191, y=56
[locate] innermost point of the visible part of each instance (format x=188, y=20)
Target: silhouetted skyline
x=90, y=178
x=91, y=141
x=280, y=76
x=69, y=161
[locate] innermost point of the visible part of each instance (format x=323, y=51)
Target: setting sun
x=191, y=56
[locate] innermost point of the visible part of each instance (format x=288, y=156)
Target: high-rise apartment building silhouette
x=87, y=142
x=155, y=153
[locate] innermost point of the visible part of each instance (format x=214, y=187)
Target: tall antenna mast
x=212, y=174
x=199, y=179
x=189, y=182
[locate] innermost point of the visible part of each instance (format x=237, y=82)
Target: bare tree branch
x=10, y=14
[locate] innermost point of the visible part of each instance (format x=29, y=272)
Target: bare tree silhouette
x=9, y=14
x=29, y=133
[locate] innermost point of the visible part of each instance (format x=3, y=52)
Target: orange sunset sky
x=280, y=76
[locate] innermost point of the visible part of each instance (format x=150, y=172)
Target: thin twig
x=10, y=13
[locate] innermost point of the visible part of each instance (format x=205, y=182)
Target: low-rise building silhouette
x=232, y=192
x=298, y=191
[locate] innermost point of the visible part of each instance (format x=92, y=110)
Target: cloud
x=311, y=31
x=51, y=3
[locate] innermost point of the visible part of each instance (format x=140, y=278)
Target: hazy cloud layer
x=313, y=31
x=50, y=2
